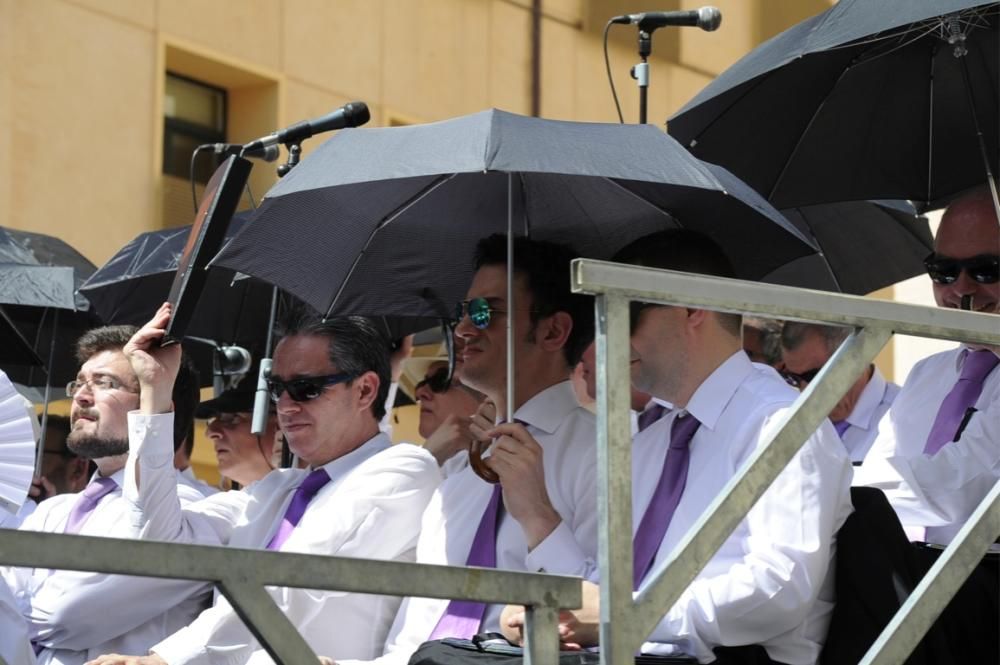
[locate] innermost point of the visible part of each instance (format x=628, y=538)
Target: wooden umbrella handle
x=476, y=450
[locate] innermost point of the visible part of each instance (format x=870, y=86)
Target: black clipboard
x=218, y=204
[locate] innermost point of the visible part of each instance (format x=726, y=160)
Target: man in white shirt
x=938, y=494
x=542, y=516
x=361, y=497
x=770, y=585
x=59, y=605
x=805, y=348
x=243, y=457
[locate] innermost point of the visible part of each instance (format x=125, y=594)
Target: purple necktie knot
x=667, y=495
x=87, y=501
x=976, y=366
x=841, y=426
x=305, y=492
x=650, y=416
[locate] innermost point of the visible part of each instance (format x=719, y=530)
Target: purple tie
x=461, y=618
x=665, y=499
x=87, y=501
x=650, y=416
x=841, y=426
x=313, y=483
x=975, y=369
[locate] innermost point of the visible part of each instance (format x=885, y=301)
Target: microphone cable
x=611, y=80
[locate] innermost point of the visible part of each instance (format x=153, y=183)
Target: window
x=194, y=114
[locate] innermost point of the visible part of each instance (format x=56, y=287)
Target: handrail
x=626, y=621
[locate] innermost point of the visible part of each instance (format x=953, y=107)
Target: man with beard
x=59, y=606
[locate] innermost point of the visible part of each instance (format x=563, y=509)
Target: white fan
x=18, y=436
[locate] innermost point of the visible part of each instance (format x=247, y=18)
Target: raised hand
x=155, y=366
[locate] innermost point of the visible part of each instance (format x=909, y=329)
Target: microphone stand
x=640, y=72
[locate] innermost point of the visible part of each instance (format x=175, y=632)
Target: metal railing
x=627, y=620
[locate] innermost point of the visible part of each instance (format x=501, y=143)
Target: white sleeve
x=15, y=649
x=154, y=501
x=787, y=555
x=377, y=516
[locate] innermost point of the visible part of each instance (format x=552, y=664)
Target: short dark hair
x=357, y=345
x=794, y=333
x=185, y=392
x=686, y=251
x=545, y=268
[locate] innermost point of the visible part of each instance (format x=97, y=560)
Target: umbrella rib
x=406, y=205
x=930, y=127
x=639, y=198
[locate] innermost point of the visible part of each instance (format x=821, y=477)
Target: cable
x=611, y=80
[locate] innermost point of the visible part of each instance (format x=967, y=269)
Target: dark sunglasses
x=984, y=268
x=478, y=310
x=798, y=379
x=438, y=382
x=305, y=388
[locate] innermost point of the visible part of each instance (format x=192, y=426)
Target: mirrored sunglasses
x=305, y=388
x=984, y=268
x=479, y=311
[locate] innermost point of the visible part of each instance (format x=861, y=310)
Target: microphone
x=706, y=18
x=353, y=114
x=266, y=153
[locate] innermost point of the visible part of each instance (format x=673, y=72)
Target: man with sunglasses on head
x=542, y=514
x=805, y=348
x=937, y=453
x=59, y=606
x=360, y=497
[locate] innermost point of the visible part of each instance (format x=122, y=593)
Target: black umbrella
x=864, y=246
x=384, y=221
x=872, y=99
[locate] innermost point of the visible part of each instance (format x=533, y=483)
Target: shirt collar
x=868, y=401
x=548, y=409
x=344, y=463
x=713, y=395
x=118, y=476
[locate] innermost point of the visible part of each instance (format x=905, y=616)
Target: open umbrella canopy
x=41, y=270
x=864, y=246
x=871, y=99
x=384, y=221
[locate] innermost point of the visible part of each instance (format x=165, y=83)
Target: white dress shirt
x=566, y=432
x=15, y=649
x=187, y=477
x=937, y=493
x=863, y=421
x=370, y=509
x=135, y=612
x=771, y=582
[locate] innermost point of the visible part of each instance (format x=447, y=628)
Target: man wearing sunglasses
x=770, y=585
x=946, y=395
x=134, y=612
x=542, y=515
x=360, y=497
x=805, y=348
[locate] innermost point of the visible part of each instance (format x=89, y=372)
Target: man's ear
x=555, y=330
x=696, y=317
x=366, y=386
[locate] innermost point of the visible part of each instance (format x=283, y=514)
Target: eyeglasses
x=100, y=383
x=479, y=311
x=984, y=268
x=305, y=388
x=228, y=420
x=438, y=382
x=798, y=379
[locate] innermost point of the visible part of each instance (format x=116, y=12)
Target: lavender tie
x=462, y=617
x=313, y=483
x=650, y=416
x=841, y=426
x=87, y=501
x=975, y=369
x=665, y=499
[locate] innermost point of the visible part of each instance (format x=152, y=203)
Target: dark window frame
x=174, y=127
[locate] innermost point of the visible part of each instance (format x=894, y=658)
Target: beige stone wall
x=81, y=82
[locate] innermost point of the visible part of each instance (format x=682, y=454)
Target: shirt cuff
x=182, y=648
x=151, y=438
x=558, y=554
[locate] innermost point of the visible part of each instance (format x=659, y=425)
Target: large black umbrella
x=864, y=246
x=384, y=221
x=872, y=99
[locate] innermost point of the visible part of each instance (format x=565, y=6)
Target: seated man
x=542, y=515
x=805, y=348
x=59, y=605
x=243, y=457
x=770, y=584
x=362, y=497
